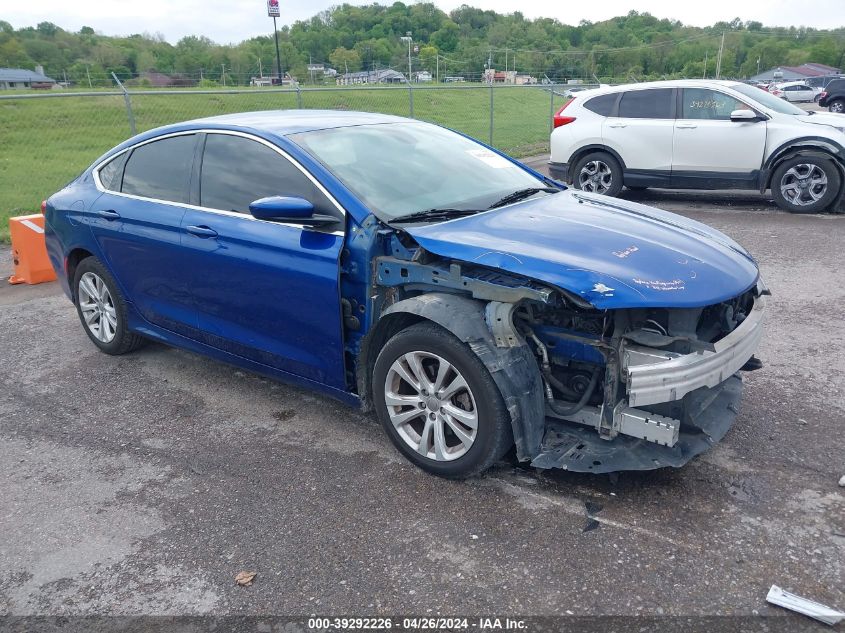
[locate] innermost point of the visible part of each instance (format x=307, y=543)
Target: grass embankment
x=44, y=143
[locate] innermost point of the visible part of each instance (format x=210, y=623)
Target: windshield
x=768, y=100
x=402, y=168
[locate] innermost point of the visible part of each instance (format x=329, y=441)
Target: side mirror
x=739, y=116
x=290, y=209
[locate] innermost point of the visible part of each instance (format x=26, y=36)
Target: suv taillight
x=560, y=119
x=822, y=94
x=43, y=207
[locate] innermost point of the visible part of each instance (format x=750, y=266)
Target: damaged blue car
x=474, y=304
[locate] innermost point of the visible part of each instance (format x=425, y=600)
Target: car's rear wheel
x=439, y=404
x=837, y=105
x=102, y=308
x=805, y=184
x=598, y=172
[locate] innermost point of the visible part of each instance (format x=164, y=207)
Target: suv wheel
x=438, y=403
x=837, y=106
x=805, y=184
x=598, y=172
x=102, y=309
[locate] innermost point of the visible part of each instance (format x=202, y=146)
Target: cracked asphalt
x=143, y=484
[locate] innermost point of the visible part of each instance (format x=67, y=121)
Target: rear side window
x=603, y=104
x=236, y=171
x=647, y=104
x=111, y=174
x=161, y=169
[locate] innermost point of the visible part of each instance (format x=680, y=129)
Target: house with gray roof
x=21, y=78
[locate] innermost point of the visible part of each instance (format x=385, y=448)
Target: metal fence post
x=491, y=114
x=551, y=107
x=128, y=103
x=298, y=97
x=411, y=99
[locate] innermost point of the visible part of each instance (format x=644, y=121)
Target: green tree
x=345, y=60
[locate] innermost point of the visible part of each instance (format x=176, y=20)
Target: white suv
x=697, y=134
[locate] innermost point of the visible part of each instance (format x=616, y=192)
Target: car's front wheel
x=805, y=184
x=439, y=404
x=102, y=308
x=837, y=105
x=598, y=172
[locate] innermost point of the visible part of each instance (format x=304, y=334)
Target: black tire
x=780, y=177
x=608, y=174
x=123, y=341
x=493, y=435
x=837, y=105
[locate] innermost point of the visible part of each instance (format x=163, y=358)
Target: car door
x=709, y=150
x=641, y=133
x=263, y=290
x=137, y=221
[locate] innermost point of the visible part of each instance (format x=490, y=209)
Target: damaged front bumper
x=674, y=407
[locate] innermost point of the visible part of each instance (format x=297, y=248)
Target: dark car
x=398, y=266
x=833, y=97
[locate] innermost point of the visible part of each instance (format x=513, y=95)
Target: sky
x=231, y=21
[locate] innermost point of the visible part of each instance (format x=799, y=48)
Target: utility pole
x=88, y=74
x=704, y=76
x=407, y=38
x=719, y=59
x=437, y=73
x=223, y=74
x=260, y=70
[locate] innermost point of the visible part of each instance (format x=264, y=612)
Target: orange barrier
x=32, y=266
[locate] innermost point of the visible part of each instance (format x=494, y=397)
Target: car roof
x=673, y=83
x=285, y=122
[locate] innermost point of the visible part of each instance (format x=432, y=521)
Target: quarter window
x=602, y=104
x=647, y=104
x=701, y=103
x=161, y=169
x=111, y=174
x=236, y=171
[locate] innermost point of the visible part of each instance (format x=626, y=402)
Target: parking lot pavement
x=145, y=483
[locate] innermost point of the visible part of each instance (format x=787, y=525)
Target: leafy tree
x=344, y=59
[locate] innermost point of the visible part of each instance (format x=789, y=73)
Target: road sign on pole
x=273, y=9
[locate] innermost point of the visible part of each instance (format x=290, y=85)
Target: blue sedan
x=400, y=267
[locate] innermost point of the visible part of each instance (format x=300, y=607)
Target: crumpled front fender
x=514, y=369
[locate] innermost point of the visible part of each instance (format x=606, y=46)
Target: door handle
x=617, y=125
x=109, y=214
x=686, y=126
x=201, y=231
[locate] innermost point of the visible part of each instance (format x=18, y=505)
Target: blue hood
x=612, y=253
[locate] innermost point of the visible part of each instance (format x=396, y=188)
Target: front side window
x=161, y=169
x=402, y=168
x=702, y=103
x=647, y=104
x=237, y=171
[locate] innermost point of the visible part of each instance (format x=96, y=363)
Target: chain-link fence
x=47, y=139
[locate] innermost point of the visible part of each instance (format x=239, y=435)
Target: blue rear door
x=137, y=225
x=263, y=290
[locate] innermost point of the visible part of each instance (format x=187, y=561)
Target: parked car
x=833, y=97
x=698, y=134
x=796, y=91
x=398, y=266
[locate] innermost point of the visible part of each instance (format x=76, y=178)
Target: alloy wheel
x=837, y=106
x=97, y=307
x=431, y=406
x=595, y=177
x=803, y=184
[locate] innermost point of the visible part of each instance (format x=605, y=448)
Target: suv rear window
x=647, y=104
x=602, y=104
x=837, y=85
